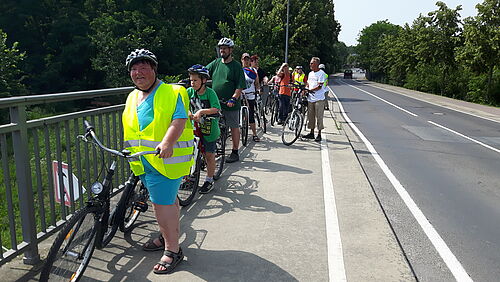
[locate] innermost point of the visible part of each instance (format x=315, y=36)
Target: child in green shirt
x=206, y=103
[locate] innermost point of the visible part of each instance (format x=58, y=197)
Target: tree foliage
x=82, y=44
x=438, y=53
x=10, y=73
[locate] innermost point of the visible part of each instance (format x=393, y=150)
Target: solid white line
x=336, y=270
x=444, y=251
x=435, y=104
x=466, y=137
x=383, y=100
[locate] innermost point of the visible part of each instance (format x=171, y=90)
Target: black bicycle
x=94, y=225
x=272, y=104
x=292, y=127
x=260, y=115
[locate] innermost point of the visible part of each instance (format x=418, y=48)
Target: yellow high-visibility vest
x=299, y=78
x=137, y=140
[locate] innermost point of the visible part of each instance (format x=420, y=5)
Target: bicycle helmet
x=199, y=69
x=298, y=67
x=226, y=42
x=140, y=54
x=321, y=66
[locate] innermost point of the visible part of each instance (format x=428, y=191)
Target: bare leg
x=254, y=129
x=235, y=135
x=168, y=220
x=210, y=157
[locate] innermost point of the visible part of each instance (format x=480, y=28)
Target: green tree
x=481, y=50
x=10, y=73
x=369, y=43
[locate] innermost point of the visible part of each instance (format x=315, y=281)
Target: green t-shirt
x=208, y=100
x=226, y=78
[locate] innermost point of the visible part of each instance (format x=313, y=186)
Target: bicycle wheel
x=244, y=126
x=71, y=251
x=274, y=112
x=108, y=231
x=220, y=153
x=264, y=119
x=190, y=182
x=135, y=204
x=292, y=127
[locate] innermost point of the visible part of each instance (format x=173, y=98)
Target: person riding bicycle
x=204, y=101
x=250, y=92
x=155, y=118
x=228, y=81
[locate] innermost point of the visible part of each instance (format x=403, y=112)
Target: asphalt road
x=448, y=162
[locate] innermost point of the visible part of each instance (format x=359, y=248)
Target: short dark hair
x=254, y=58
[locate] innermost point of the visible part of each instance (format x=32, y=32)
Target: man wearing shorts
x=228, y=82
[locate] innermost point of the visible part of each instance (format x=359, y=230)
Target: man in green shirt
x=228, y=81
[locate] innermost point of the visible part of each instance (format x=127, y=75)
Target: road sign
x=65, y=186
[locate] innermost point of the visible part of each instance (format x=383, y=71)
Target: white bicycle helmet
x=140, y=54
x=321, y=66
x=226, y=42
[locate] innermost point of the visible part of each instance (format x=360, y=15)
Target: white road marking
x=444, y=251
x=336, y=269
x=435, y=104
x=466, y=137
x=383, y=100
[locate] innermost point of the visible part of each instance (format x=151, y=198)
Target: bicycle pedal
x=141, y=206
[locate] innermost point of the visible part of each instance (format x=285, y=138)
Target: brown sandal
x=150, y=245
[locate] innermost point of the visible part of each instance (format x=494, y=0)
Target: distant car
x=348, y=74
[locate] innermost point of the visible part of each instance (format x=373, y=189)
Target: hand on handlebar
x=165, y=151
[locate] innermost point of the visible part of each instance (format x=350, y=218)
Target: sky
x=353, y=16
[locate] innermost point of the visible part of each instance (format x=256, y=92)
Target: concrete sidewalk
x=265, y=220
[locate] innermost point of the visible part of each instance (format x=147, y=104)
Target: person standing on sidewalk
x=228, y=81
x=315, y=100
x=155, y=118
x=284, y=92
x=322, y=67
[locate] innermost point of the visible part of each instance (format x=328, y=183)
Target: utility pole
x=286, y=39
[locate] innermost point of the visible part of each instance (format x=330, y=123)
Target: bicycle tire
x=264, y=121
x=220, y=153
x=108, y=231
x=274, y=112
x=244, y=126
x=190, y=183
x=292, y=127
x=72, y=250
x=137, y=194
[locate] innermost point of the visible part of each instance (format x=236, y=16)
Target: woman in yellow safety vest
x=155, y=118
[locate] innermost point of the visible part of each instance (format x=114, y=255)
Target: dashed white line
x=383, y=100
x=466, y=137
x=336, y=269
x=441, y=247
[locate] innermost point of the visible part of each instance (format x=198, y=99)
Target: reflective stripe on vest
x=171, y=160
x=153, y=144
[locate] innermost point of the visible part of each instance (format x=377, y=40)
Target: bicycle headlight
x=97, y=188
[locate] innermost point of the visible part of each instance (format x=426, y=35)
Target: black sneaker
x=308, y=136
x=207, y=187
x=318, y=138
x=233, y=158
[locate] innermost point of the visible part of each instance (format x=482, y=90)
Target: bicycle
x=292, y=127
x=260, y=113
x=94, y=226
x=272, y=104
x=244, y=118
x=190, y=183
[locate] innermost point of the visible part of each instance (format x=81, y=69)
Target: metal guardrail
x=37, y=156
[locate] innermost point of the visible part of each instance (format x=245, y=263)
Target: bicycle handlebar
x=89, y=129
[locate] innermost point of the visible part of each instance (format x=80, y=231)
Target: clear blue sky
x=355, y=15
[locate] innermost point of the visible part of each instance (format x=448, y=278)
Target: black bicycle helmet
x=140, y=54
x=226, y=42
x=199, y=69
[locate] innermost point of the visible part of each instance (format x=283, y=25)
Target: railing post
x=24, y=185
